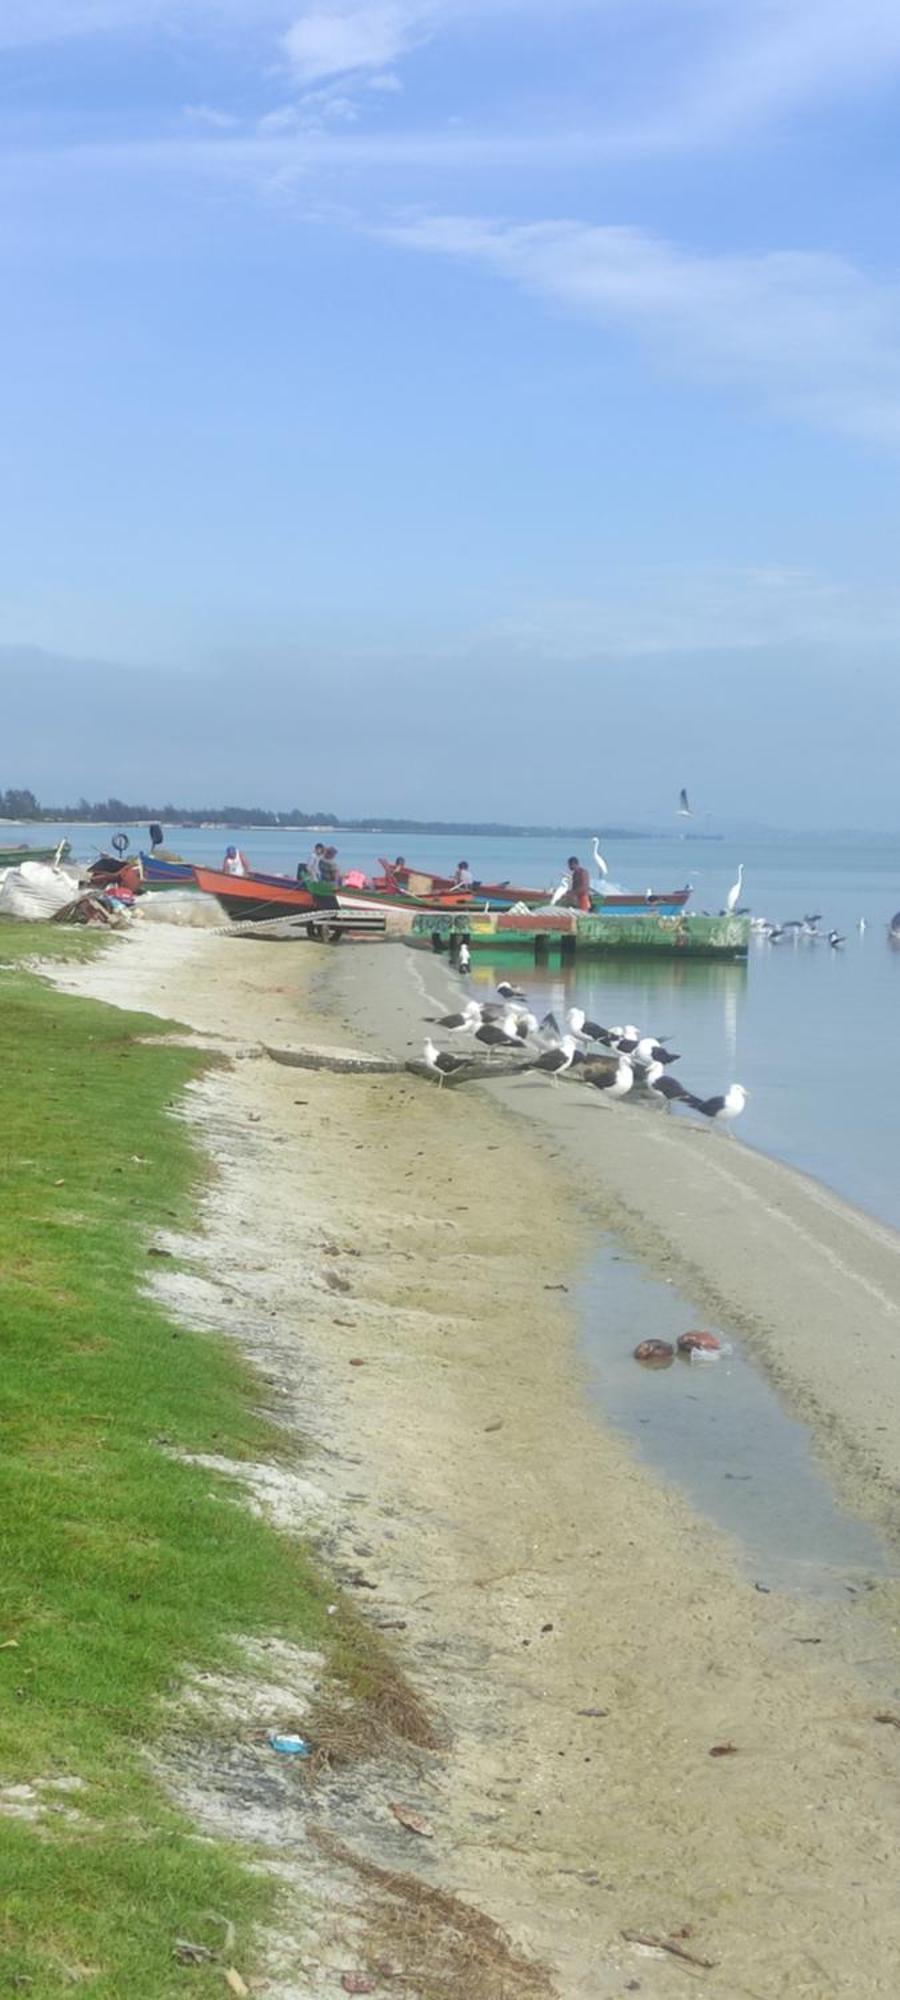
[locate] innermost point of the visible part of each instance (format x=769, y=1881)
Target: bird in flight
x=685, y=809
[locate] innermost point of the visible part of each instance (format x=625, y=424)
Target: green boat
x=569, y=933
x=12, y=857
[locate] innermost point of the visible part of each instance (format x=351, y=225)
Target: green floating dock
x=570, y=933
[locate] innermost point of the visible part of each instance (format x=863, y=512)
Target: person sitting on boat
x=312, y=869
x=234, y=863
x=463, y=877
x=579, y=896
x=328, y=868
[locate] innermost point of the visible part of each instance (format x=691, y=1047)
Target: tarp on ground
x=36, y=890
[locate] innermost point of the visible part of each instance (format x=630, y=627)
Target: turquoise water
x=809, y=1031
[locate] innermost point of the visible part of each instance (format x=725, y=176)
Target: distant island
x=22, y=807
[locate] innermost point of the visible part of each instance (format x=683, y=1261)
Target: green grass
x=119, y=1567
x=20, y=941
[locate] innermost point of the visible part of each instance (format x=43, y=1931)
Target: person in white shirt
x=234, y=863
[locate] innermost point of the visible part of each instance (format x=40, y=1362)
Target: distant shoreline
x=462, y=829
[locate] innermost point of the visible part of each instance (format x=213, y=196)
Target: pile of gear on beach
x=46, y=891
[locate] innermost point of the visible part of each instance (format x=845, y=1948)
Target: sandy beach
x=585, y=1639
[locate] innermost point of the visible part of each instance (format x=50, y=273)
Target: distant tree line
x=22, y=805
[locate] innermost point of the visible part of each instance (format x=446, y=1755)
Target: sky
x=460, y=408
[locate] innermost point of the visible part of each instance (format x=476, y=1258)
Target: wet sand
x=537, y=1569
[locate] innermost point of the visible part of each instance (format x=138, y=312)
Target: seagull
x=721, y=1110
x=684, y=808
x=587, y=1031
x=464, y=957
x=441, y=1063
x=835, y=940
x=628, y=1041
x=526, y=1024
x=861, y=926
x=458, y=1024
x=617, y=1082
x=650, y=1053
x=508, y=992
x=555, y=1062
x=666, y=1087
x=599, y=862
x=500, y=1034
x=734, y=894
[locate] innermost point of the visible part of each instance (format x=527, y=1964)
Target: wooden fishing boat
x=570, y=932
x=13, y=857
x=166, y=871
x=259, y=898
x=417, y=885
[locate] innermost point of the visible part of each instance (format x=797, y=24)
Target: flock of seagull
x=611, y=1060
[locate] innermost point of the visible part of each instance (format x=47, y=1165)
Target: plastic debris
x=699, y=1343
x=289, y=1746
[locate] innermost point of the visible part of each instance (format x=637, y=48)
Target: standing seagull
x=665, y=1087
x=617, y=1082
x=721, y=1110
x=440, y=1063
x=458, y=1024
x=599, y=862
x=508, y=992
x=734, y=894
x=501, y=1034
x=555, y=1062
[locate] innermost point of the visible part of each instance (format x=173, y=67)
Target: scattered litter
x=8, y=1644
x=724, y=1750
x=592, y=1711
x=885, y=1716
x=413, y=1821
x=699, y=1343
x=188, y=1953
x=556, y=1288
x=357, y=1360
x=671, y=1945
x=289, y=1746
x=655, y=1353
x=358, y=1982
x=497, y=1425
x=235, y=1983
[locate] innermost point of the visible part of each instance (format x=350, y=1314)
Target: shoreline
x=788, y=1249
x=512, y=1535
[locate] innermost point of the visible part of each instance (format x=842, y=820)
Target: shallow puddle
x=717, y=1430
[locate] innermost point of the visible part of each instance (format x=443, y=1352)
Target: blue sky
x=481, y=408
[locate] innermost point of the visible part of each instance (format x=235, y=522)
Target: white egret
x=734, y=894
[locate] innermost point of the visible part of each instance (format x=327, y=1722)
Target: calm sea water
x=811, y=1032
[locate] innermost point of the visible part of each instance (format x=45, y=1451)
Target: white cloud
x=336, y=39
x=807, y=334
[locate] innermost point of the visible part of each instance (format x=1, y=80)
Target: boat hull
x=678, y=934
x=159, y=873
x=13, y=857
x=257, y=898
x=421, y=888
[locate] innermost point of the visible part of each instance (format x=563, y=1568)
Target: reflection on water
x=717, y=1430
